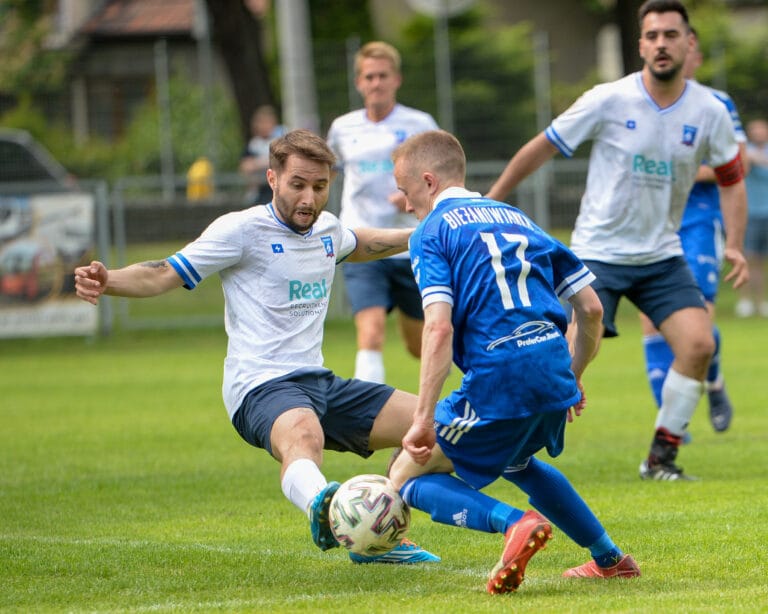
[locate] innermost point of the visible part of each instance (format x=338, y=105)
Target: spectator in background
x=753, y=297
x=363, y=141
x=254, y=160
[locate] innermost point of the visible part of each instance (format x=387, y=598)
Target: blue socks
x=659, y=357
x=658, y=360
x=449, y=500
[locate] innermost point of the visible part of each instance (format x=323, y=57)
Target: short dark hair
x=301, y=142
x=662, y=6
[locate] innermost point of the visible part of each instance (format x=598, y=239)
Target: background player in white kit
x=701, y=236
x=276, y=263
x=363, y=141
x=650, y=130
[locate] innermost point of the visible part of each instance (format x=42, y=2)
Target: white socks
x=679, y=397
x=369, y=366
x=302, y=480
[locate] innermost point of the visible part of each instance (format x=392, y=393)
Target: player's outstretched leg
x=405, y=553
x=522, y=540
x=319, y=521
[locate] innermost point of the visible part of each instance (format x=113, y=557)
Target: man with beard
x=276, y=263
x=650, y=130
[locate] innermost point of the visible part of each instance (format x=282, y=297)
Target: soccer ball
x=368, y=516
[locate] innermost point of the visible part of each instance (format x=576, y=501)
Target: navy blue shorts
x=756, y=237
x=481, y=450
x=346, y=408
x=658, y=290
x=703, y=247
x=387, y=283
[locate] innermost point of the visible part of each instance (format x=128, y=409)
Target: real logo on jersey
x=400, y=136
x=302, y=290
x=631, y=124
x=689, y=135
x=328, y=244
x=277, y=248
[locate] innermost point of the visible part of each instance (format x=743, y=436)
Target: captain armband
x=730, y=173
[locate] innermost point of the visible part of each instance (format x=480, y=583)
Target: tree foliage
x=27, y=64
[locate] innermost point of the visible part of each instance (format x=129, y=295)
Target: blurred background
x=122, y=122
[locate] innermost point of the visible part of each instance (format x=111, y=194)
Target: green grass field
x=123, y=487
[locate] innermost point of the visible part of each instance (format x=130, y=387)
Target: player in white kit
x=276, y=263
x=650, y=131
x=363, y=141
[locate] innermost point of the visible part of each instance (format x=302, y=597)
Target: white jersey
x=364, y=149
x=276, y=284
x=642, y=165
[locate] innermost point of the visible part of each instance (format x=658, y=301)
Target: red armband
x=730, y=173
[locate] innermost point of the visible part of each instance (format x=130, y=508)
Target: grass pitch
x=123, y=488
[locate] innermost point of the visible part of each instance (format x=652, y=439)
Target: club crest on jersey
x=328, y=244
x=689, y=135
x=631, y=124
x=400, y=135
x=277, y=248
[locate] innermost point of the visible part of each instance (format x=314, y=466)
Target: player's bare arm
x=528, y=159
x=374, y=243
x=436, y=358
x=733, y=203
x=140, y=280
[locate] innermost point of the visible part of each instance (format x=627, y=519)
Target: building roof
x=142, y=18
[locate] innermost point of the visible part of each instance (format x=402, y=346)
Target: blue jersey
x=703, y=205
x=505, y=278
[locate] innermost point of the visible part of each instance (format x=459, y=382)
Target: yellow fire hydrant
x=200, y=179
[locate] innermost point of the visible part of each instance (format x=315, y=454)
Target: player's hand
x=419, y=441
x=739, y=273
x=578, y=407
x=398, y=199
x=91, y=281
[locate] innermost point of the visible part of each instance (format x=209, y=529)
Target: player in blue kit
x=277, y=263
x=491, y=282
x=701, y=235
x=650, y=133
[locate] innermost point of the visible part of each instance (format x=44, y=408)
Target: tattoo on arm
x=379, y=247
x=155, y=264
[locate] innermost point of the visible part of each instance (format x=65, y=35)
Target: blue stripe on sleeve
x=558, y=142
x=177, y=262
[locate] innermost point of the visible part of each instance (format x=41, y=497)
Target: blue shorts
x=481, y=450
x=703, y=247
x=756, y=238
x=346, y=408
x=387, y=283
x=658, y=290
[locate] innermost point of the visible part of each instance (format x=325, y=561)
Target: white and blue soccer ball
x=368, y=516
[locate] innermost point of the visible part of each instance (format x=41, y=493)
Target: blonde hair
x=436, y=151
x=378, y=50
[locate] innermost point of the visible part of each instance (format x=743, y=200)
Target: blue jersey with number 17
x=504, y=277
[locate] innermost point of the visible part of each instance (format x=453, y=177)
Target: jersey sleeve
x=570, y=273
x=218, y=247
x=430, y=268
x=723, y=147
x=576, y=124
x=348, y=244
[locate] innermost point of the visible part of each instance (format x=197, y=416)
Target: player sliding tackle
x=276, y=263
